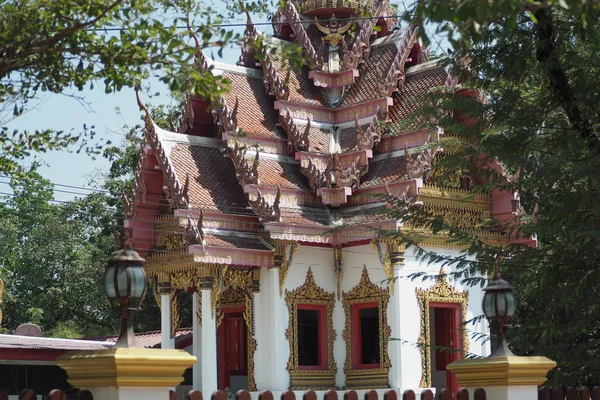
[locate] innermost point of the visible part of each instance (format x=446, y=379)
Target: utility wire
x=264, y=23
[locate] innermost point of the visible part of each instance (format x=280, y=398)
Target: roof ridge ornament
x=362, y=45
x=200, y=60
x=245, y=173
x=272, y=82
x=418, y=167
x=296, y=138
x=180, y=197
x=389, y=85
x=265, y=211
x=366, y=139
x=333, y=30
x=248, y=56
x=314, y=59
x=225, y=118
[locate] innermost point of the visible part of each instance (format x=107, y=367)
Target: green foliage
x=536, y=134
x=61, y=46
x=49, y=259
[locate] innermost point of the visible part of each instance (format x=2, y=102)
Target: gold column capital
x=125, y=367
x=502, y=371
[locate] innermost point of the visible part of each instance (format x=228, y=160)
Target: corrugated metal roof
x=44, y=343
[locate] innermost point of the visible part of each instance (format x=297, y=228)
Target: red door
x=447, y=340
x=232, y=346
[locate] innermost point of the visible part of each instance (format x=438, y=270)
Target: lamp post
x=499, y=306
x=125, y=287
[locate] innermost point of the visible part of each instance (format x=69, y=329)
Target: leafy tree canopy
x=534, y=131
x=60, y=46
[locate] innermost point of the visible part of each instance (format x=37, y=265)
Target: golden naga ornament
x=333, y=30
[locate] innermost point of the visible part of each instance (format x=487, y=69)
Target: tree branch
x=559, y=83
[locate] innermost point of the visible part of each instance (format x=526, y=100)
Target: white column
x=274, y=319
x=165, y=321
x=197, y=340
x=208, y=344
x=395, y=345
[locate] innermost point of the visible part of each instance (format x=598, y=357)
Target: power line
x=264, y=23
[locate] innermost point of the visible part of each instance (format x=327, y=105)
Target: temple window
x=310, y=335
x=366, y=333
x=312, y=332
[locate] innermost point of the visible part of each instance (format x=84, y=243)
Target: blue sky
x=108, y=113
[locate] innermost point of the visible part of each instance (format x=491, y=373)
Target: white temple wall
x=408, y=368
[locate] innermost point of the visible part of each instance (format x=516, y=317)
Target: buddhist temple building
x=266, y=207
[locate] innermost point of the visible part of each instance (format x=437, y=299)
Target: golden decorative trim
x=367, y=292
x=337, y=264
x=175, y=317
x=385, y=260
x=251, y=343
x=502, y=371
x=156, y=295
x=184, y=280
x=125, y=367
x=460, y=208
x=310, y=293
x=441, y=292
x=442, y=240
x=283, y=263
x=199, y=309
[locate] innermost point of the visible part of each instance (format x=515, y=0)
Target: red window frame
x=357, y=336
x=322, y=337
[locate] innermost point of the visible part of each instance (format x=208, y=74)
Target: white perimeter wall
x=353, y=260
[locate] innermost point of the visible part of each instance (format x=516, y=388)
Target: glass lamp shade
x=125, y=279
x=499, y=301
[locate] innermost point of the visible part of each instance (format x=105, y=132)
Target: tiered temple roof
x=303, y=155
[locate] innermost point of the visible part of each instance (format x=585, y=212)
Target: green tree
x=59, y=46
x=52, y=260
x=535, y=133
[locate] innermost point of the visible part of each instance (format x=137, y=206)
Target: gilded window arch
x=441, y=292
x=367, y=292
x=310, y=293
x=239, y=293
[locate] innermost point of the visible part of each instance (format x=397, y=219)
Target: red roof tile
x=365, y=87
x=306, y=216
x=319, y=140
x=272, y=172
x=213, y=185
x=412, y=95
x=384, y=171
x=256, y=113
x=234, y=241
x=302, y=89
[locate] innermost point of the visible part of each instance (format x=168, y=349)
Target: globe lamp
x=125, y=286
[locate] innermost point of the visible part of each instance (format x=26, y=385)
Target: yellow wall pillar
x=126, y=373
x=503, y=377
